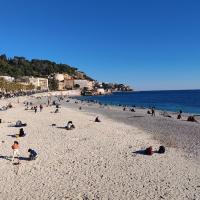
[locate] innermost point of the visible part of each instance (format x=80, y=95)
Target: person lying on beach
x=70, y=125
x=15, y=148
x=21, y=132
x=32, y=154
x=97, y=119
x=149, y=151
x=20, y=124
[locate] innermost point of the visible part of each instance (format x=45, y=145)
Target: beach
x=98, y=160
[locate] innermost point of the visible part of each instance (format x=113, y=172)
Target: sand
x=93, y=161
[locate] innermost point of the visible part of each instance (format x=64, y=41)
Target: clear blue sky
x=149, y=44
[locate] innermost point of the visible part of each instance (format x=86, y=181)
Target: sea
x=173, y=100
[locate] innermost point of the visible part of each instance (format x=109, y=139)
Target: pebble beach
x=97, y=160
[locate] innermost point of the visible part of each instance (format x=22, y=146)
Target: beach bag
x=161, y=149
x=149, y=151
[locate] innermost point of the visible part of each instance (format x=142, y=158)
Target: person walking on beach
x=180, y=114
x=35, y=108
x=41, y=107
x=15, y=148
x=153, y=112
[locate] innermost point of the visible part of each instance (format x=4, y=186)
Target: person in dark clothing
x=35, y=109
x=180, y=114
x=153, y=112
x=21, y=132
x=97, y=119
x=32, y=155
x=41, y=107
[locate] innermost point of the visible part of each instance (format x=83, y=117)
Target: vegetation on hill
x=20, y=66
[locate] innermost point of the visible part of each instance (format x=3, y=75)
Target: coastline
x=95, y=160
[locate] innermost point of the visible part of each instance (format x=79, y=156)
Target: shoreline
x=169, y=131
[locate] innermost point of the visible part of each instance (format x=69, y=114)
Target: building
x=8, y=78
x=100, y=91
x=65, y=81
x=84, y=84
x=41, y=83
x=60, y=79
x=69, y=84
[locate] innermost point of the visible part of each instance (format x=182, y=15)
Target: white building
x=100, y=91
x=39, y=82
x=8, y=78
x=84, y=83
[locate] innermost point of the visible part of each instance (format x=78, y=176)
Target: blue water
x=186, y=100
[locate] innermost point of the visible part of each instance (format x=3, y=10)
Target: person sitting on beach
x=32, y=154
x=9, y=105
x=21, y=132
x=56, y=111
x=70, y=125
x=15, y=148
x=124, y=109
x=97, y=119
x=148, y=112
x=132, y=110
x=20, y=124
x=191, y=119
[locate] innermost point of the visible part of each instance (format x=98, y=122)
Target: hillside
x=20, y=66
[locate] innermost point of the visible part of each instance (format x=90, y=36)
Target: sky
x=148, y=44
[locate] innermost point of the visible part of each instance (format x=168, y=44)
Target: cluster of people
x=15, y=148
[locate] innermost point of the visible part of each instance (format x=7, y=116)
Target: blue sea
x=186, y=100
